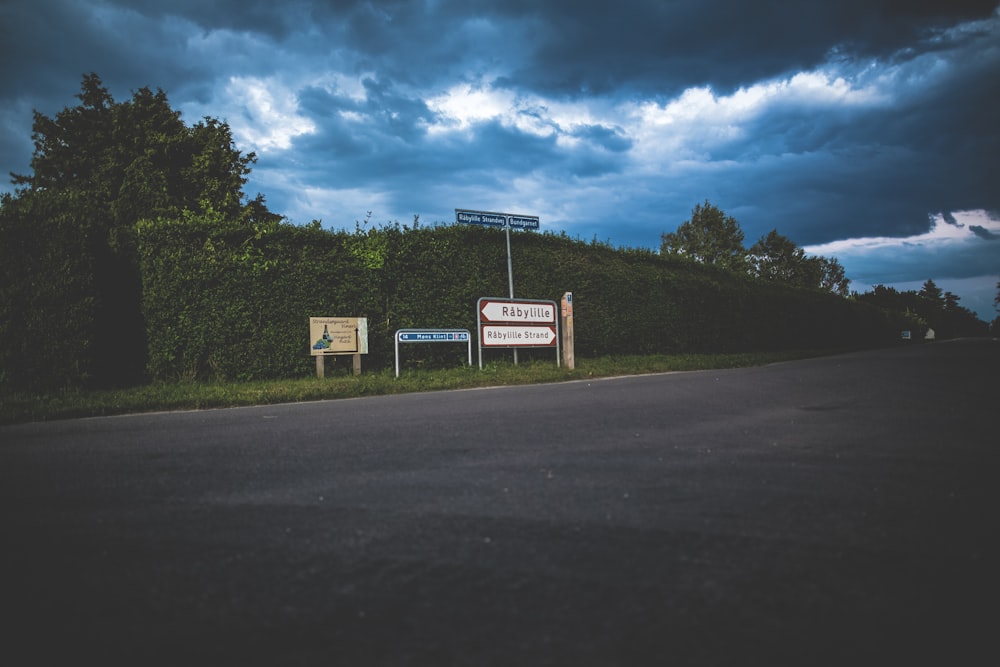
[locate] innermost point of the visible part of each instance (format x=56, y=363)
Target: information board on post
x=338, y=335
x=329, y=336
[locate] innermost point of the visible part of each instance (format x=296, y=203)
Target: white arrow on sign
x=517, y=311
x=494, y=335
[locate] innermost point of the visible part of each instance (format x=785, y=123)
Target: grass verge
x=162, y=396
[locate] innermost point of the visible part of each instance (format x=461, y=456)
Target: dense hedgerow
x=232, y=302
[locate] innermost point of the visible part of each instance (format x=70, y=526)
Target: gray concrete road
x=838, y=511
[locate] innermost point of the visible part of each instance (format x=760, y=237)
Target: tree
x=936, y=310
x=834, y=279
x=932, y=292
x=776, y=257
x=136, y=159
x=97, y=170
x=709, y=237
x=951, y=301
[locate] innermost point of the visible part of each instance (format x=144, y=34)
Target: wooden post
x=357, y=364
x=567, y=331
x=320, y=366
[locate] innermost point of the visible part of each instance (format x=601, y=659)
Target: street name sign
x=523, y=221
x=506, y=221
x=494, y=219
x=481, y=217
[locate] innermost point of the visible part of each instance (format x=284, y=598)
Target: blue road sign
x=496, y=219
x=523, y=221
x=481, y=218
x=433, y=336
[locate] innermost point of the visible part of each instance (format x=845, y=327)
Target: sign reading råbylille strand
x=517, y=323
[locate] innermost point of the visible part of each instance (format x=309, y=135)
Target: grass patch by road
x=163, y=396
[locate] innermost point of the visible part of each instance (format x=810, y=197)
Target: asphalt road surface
x=833, y=511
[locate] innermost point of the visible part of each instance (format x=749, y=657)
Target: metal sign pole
x=510, y=264
x=510, y=269
x=505, y=220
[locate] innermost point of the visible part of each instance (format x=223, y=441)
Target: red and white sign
x=517, y=336
x=527, y=312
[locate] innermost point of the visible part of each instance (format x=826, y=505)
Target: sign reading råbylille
x=517, y=323
x=517, y=311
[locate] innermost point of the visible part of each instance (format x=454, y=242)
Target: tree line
x=130, y=253
x=714, y=238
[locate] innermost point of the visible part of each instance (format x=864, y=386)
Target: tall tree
x=776, y=257
x=97, y=169
x=932, y=292
x=136, y=159
x=834, y=278
x=951, y=301
x=708, y=237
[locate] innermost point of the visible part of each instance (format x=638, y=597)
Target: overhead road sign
x=505, y=220
x=523, y=221
x=488, y=218
x=495, y=219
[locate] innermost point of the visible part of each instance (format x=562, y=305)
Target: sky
x=866, y=130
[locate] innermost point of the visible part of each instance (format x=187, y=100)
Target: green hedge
x=224, y=301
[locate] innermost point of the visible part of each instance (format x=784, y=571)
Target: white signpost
x=517, y=323
x=505, y=220
x=507, y=335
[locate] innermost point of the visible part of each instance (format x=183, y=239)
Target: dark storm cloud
x=983, y=233
x=850, y=120
x=663, y=47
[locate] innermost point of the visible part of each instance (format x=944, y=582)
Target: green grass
x=163, y=396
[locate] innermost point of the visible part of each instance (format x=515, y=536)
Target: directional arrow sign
x=433, y=336
x=495, y=335
x=517, y=311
